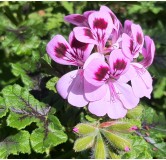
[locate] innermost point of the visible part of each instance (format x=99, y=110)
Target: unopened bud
x=127, y=149
x=133, y=128
x=75, y=130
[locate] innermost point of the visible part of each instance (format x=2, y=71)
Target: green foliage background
x=35, y=122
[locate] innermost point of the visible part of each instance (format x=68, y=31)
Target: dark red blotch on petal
x=60, y=50
x=139, y=38
x=100, y=23
x=77, y=44
x=101, y=72
x=88, y=33
x=79, y=18
x=120, y=64
x=131, y=45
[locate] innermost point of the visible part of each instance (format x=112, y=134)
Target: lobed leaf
x=15, y=144
x=24, y=108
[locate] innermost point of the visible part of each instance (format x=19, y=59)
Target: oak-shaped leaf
x=15, y=144
x=24, y=108
x=49, y=136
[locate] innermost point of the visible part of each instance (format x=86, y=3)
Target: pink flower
x=104, y=89
x=101, y=26
x=70, y=86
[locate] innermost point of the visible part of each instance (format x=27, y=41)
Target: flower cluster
x=111, y=58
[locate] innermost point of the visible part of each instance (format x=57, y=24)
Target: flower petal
x=65, y=83
x=137, y=34
x=119, y=64
x=116, y=110
x=93, y=56
x=94, y=93
x=142, y=83
x=100, y=107
x=77, y=19
x=85, y=35
x=96, y=72
x=127, y=46
x=76, y=95
x=127, y=27
x=60, y=51
x=148, y=53
x=126, y=95
x=101, y=25
x=81, y=50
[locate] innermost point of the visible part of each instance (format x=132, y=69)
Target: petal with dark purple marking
x=60, y=51
x=119, y=64
x=96, y=72
x=77, y=19
x=85, y=35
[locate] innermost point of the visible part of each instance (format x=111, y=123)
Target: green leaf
x=48, y=136
x=159, y=88
x=85, y=129
x=84, y=143
x=15, y=144
x=117, y=140
x=19, y=71
x=24, y=108
x=3, y=108
x=114, y=155
x=135, y=113
x=140, y=149
x=100, y=151
x=51, y=83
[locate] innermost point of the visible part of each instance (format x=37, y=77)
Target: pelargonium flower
x=102, y=80
x=70, y=85
x=113, y=93
x=99, y=30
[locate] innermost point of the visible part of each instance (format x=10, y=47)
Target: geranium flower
x=99, y=30
x=114, y=95
x=70, y=86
